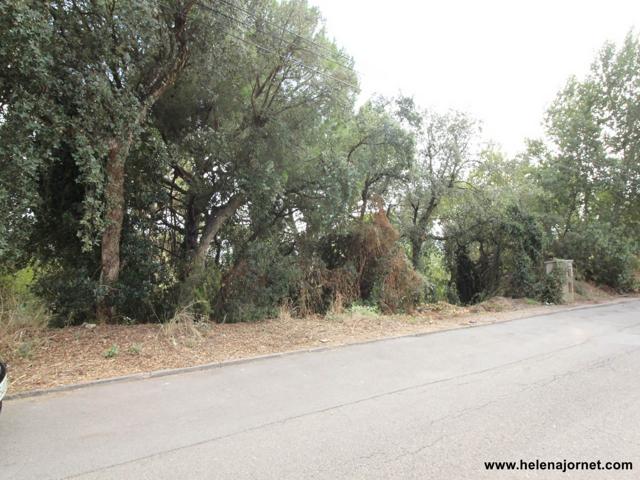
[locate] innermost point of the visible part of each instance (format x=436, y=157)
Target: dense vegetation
x=163, y=154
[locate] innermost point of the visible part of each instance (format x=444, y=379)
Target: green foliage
x=17, y=283
x=22, y=315
x=446, y=144
x=135, y=349
x=494, y=249
x=69, y=294
x=111, y=352
x=524, y=252
x=590, y=168
x=549, y=287
x=437, y=274
x=364, y=309
x=250, y=178
x=255, y=285
x=381, y=148
x=200, y=290
x=145, y=287
x=602, y=254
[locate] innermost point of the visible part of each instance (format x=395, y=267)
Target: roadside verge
x=413, y=330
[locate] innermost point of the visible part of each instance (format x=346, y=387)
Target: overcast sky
x=502, y=61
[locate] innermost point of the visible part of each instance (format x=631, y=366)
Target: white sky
x=502, y=61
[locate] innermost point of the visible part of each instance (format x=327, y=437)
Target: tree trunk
x=190, y=243
x=196, y=264
x=114, y=215
x=365, y=197
x=416, y=252
x=212, y=226
x=115, y=168
x=421, y=227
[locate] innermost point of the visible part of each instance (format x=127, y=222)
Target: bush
x=501, y=255
x=523, y=276
x=602, y=254
x=321, y=289
x=69, y=293
x=368, y=265
x=399, y=288
x=256, y=284
x=145, y=287
x=22, y=316
x=549, y=288
x=143, y=292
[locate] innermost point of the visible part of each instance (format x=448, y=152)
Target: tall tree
x=445, y=152
x=381, y=147
x=97, y=69
x=243, y=134
x=142, y=85
x=591, y=162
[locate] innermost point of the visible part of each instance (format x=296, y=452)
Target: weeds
x=364, y=310
x=25, y=349
x=21, y=312
x=23, y=319
x=286, y=310
x=112, y=352
x=183, y=325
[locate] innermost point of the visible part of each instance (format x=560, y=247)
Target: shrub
x=321, y=289
x=256, y=284
x=549, y=288
x=142, y=293
x=400, y=288
x=69, y=293
x=602, y=254
x=111, y=352
x=501, y=255
x=368, y=264
x=363, y=309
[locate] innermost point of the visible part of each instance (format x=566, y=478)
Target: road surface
x=554, y=387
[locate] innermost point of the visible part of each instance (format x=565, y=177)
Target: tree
x=445, y=152
x=589, y=167
x=245, y=137
x=97, y=70
x=493, y=230
x=380, y=147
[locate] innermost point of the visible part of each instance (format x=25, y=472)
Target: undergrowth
x=23, y=318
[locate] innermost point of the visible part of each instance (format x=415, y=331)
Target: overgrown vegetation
x=180, y=161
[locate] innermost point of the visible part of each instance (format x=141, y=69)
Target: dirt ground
x=53, y=357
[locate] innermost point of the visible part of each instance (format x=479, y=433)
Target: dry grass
x=77, y=354
x=17, y=314
x=587, y=292
x=184, y=325
x=22, y=323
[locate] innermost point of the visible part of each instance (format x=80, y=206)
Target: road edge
x=240, y=361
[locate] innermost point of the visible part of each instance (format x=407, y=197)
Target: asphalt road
x=555, y=387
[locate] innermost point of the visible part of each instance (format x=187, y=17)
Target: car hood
x=4, y=380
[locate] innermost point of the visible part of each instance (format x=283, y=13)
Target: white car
x=4, y=382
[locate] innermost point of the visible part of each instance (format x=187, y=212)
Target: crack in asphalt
x=417, y=451
x=591, y=366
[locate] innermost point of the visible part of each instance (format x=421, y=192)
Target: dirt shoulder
x=55, y=357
